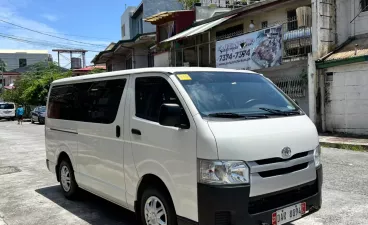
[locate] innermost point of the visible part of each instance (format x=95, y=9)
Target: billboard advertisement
x=252, y=51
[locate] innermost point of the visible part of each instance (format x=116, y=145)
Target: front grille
x=267, y=202
x=282, y=171
x=223, y=218
x=277, y=160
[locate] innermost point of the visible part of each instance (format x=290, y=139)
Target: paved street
x=31, y=194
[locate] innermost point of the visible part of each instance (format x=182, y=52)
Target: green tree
x=96, y=70
x=188, y=4
x=33, y=86
x=2, y=66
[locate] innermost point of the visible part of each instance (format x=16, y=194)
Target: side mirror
x=171, y=115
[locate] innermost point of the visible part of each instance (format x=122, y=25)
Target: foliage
x=96, y=70
x=188, y=4
x=2, y=65
x=33, y=86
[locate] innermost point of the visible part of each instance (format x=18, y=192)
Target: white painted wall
x=273, y=16
x=346, y=10
x=162, y=59
x=12, y=59
x=347, y=99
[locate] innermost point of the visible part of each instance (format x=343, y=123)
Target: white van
x=185, y=145
x=7, y=110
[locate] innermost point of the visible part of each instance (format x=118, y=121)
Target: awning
x=198, y=29
x=163, y=15
x=353, y=50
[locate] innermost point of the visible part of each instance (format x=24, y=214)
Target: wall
x=127, y=20
x=12, y=59
x=275, y=15
x=140, y=57
x=118, y=63
x=162, y=59
x=346, y=10
x=152, y=7
x=347, y=99
x=136, y=23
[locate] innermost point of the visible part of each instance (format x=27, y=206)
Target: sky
x=95, y=23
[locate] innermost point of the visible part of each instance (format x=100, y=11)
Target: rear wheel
x=67, y=180
x=156, y=208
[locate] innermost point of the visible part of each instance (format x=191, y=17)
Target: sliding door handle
x=136, y=132
x=118, y=131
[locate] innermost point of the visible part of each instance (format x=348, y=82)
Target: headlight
x=223, y=172
x=317, y=156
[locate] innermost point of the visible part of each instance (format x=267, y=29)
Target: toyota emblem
x=286, y=153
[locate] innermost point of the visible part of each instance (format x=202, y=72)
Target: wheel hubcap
x=65, y=178
x=154, y=212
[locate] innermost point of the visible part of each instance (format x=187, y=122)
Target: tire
x=152, y=193
x=66, y=169
x=32, y=120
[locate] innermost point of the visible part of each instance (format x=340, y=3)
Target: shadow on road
x=90, y=208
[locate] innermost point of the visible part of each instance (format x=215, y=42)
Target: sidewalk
x=336, y=141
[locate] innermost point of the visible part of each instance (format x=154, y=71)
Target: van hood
x=251, y=140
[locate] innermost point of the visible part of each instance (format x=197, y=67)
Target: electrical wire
x=72, y=35
x=45, y=43
x=50, y=35
x=62, y=44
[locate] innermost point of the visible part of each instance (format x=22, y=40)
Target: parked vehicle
x=185, y=145
x=38, y=115
x=7, y=110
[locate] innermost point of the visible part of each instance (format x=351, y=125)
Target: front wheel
x=67, y=180
x=156, y=208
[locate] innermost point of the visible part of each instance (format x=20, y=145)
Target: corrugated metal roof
x=348, y=51
x=162, y=15
x=198, y=29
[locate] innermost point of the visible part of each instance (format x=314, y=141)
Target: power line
x=45, y=41
x=38, y=43
x=73, y=35
x=39, y=32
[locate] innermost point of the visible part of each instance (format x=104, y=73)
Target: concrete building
x=343, y=72
x=20, y=58
x=133, y=50
x=287, y=24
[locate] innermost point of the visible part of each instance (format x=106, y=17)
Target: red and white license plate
x=289, y=214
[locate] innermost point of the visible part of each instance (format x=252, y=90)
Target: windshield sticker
x=184, y=77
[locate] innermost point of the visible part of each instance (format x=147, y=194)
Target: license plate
x=288, y=214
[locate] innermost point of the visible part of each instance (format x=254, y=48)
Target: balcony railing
x=228, y=3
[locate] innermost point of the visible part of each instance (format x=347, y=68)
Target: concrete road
x=29, y=194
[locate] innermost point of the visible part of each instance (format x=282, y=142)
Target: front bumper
x=231, y=205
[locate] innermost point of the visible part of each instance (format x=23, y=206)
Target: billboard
x=252, y=51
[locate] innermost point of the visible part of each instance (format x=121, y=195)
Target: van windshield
x=232, y=95
x=6, y=106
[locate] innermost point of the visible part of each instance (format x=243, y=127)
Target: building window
x=22, y=62
x=230, y=32
x=364, y=5
x=264, y=24
x=123, y=30
x=292, y=23
x=150, y=94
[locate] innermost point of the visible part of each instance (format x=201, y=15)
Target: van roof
x=144, y=70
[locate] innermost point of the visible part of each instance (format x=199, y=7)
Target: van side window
x=94, y=102
x=150, y=94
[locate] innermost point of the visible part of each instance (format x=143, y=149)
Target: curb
x=346, y=146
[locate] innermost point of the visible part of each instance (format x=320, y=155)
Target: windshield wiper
x=279, y=112
x=235, y=115
x=226, y=115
